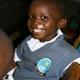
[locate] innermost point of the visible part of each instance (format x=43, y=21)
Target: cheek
x=51, y=28
x=29, y=24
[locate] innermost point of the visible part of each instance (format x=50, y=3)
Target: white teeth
x=38, y=30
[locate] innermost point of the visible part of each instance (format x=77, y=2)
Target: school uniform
x=43, y=60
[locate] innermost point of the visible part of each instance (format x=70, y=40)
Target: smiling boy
x=44, y=55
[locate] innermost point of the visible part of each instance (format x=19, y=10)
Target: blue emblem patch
x=43, y=65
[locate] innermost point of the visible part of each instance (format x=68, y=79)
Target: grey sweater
x=59, y=52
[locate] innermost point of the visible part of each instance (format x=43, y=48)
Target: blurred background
x=13, y=17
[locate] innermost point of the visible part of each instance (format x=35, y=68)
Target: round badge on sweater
x=43, y=66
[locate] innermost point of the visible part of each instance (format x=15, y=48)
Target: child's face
x=43, y=21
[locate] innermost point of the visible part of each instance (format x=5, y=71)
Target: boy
x=45, y=55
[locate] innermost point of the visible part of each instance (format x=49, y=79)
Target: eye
x=44, y=18
x=31, y=17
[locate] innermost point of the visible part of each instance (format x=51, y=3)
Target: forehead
x=45, y=6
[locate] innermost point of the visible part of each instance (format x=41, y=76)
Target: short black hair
x=68, y=7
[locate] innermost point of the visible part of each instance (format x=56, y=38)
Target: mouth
x=39, y=29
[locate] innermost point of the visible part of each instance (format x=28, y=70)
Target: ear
x=62, y=23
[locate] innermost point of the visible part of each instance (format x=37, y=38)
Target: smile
x=40, y=28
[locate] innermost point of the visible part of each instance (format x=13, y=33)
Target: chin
x=37, y=36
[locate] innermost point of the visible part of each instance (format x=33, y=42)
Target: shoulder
x=67, y=47
x=26, y=39
x=67, y=50
x=23, y=44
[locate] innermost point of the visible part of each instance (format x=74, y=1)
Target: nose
x=37, y=22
